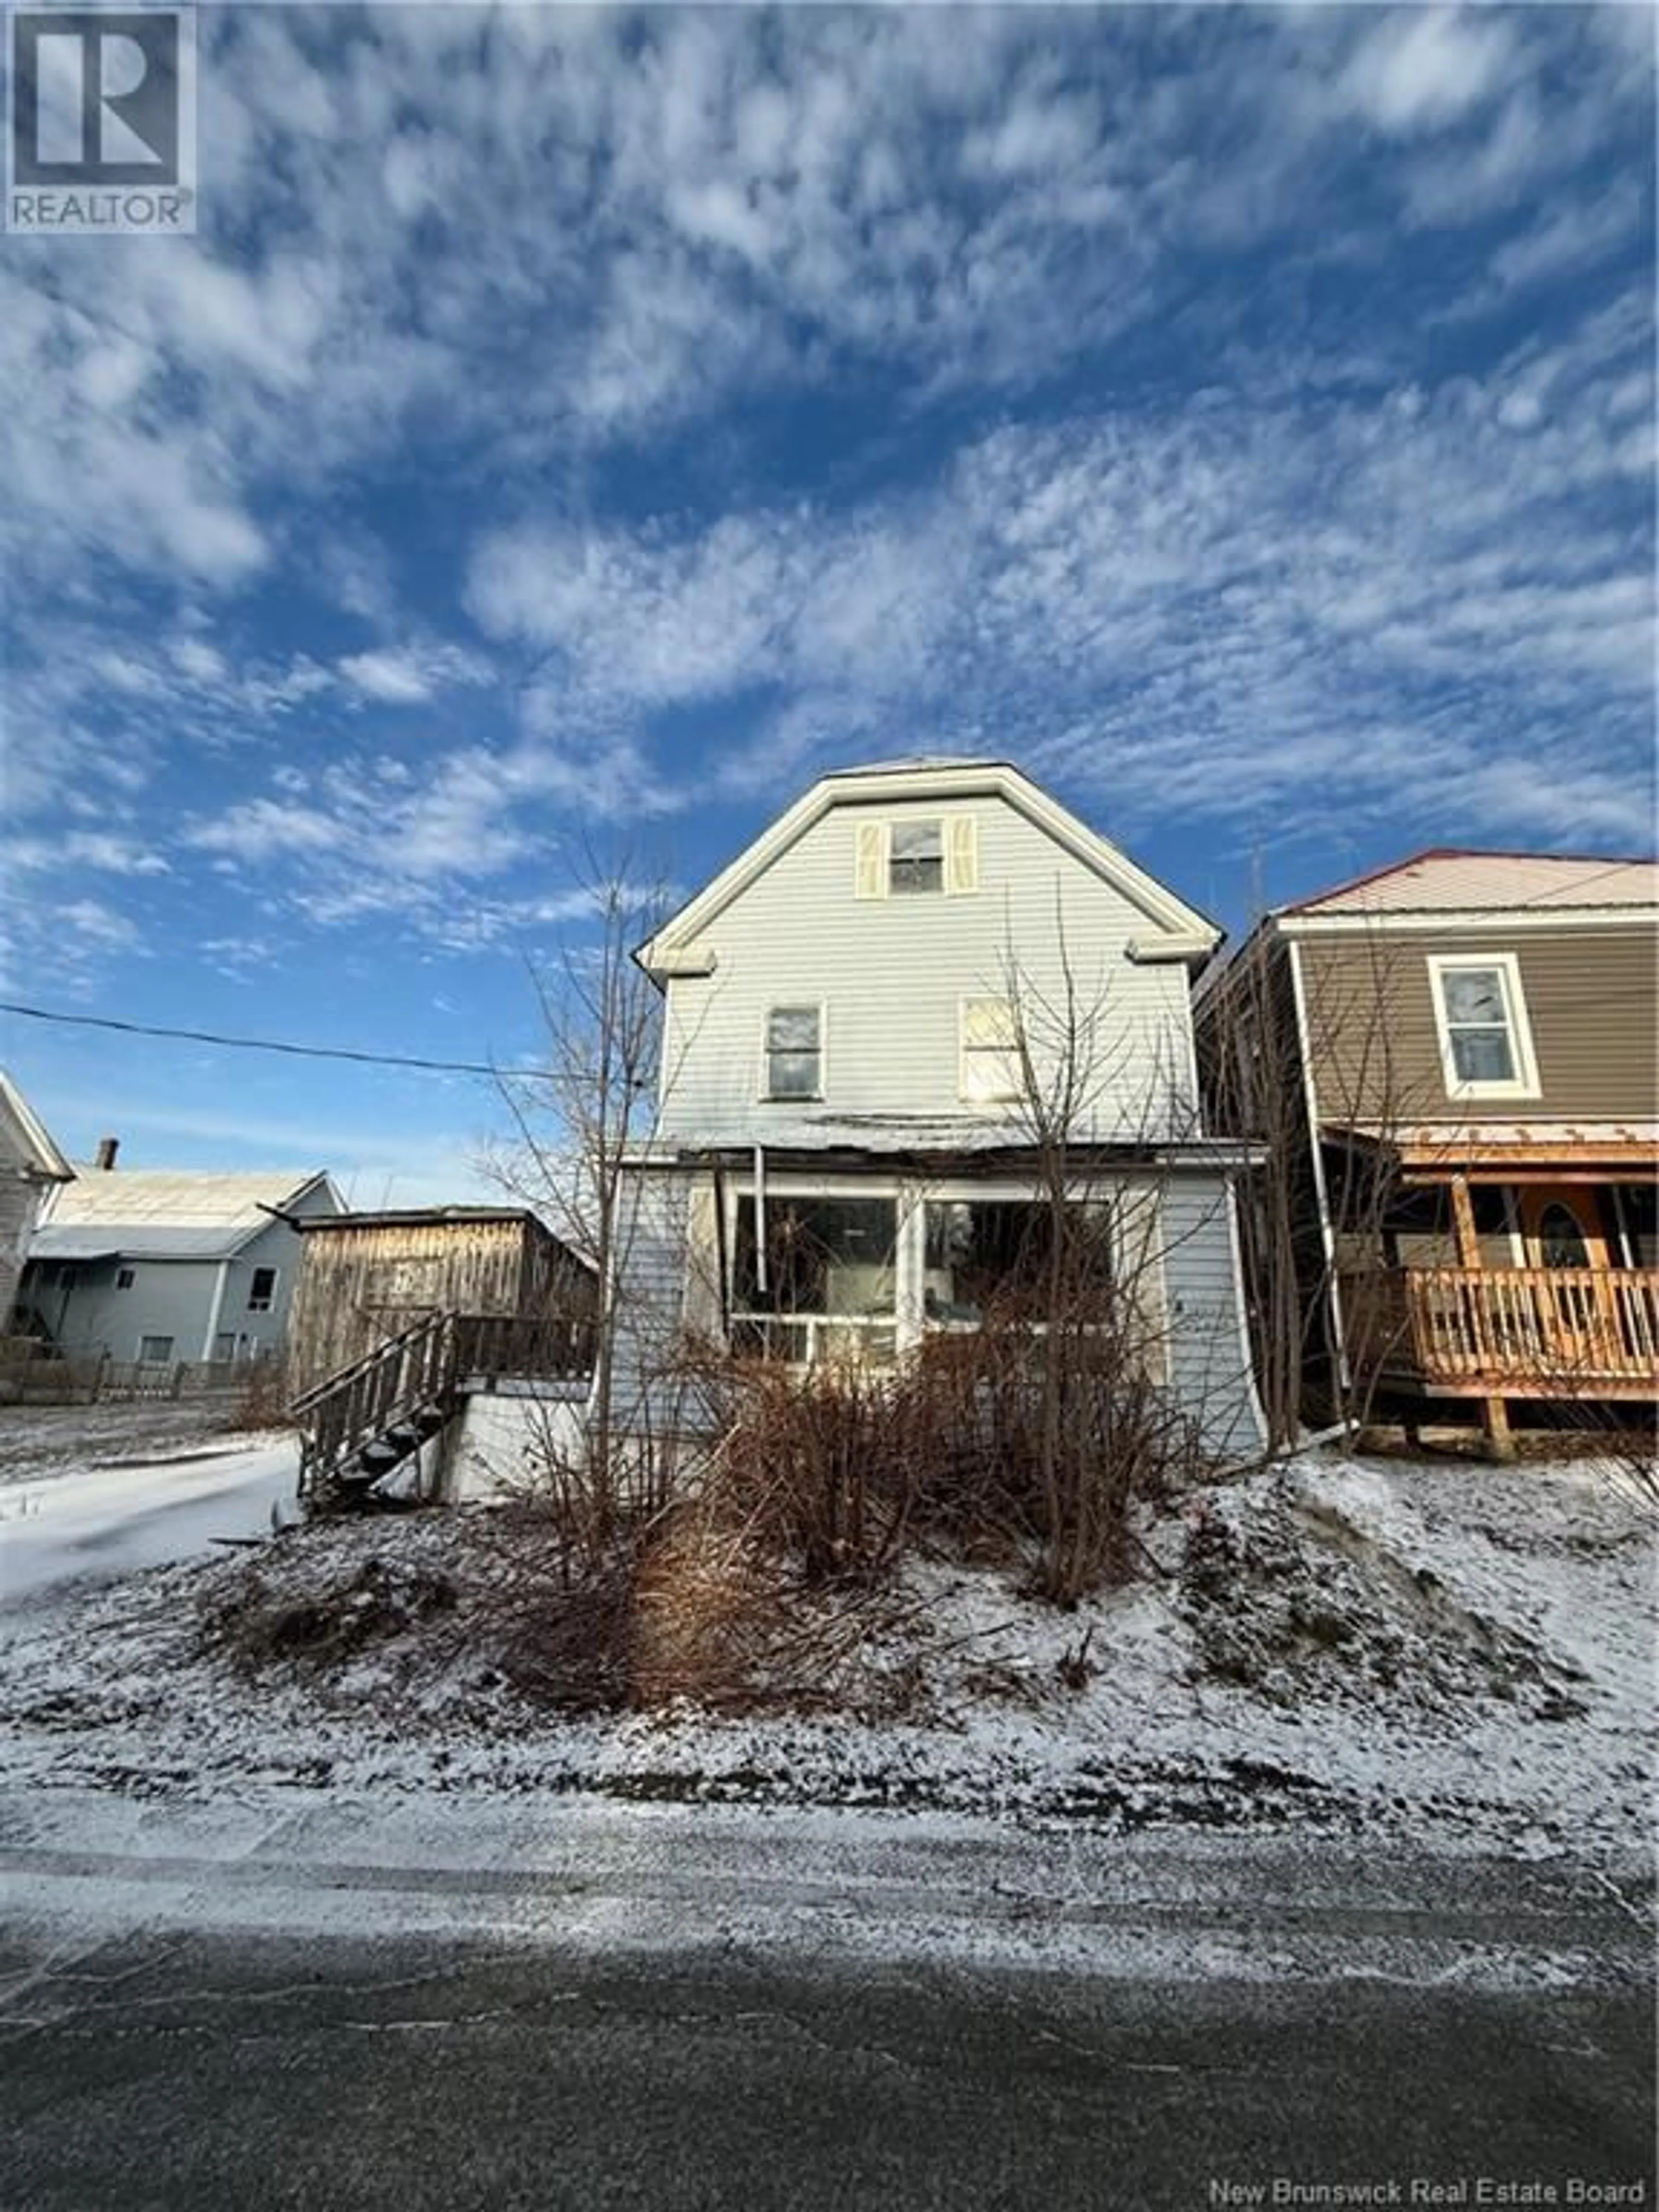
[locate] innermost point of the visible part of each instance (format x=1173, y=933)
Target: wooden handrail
x=423, y=1370
x=1565, y=1325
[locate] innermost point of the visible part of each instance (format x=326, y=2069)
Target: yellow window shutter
x=871, y=880
x=960, y=853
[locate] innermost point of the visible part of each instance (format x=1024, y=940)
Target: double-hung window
x=1486, y=1042
x=794, y=1052
x=915, y=860
x=914, y=856
x=992, y=1072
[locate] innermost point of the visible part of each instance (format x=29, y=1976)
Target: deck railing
x=413, y=1382
x=1527, y=1329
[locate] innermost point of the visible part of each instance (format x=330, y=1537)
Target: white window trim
x=270, y=1304
x=1523, y=1083
x=911, y=1197
x=765, y=1093
x=979, y=998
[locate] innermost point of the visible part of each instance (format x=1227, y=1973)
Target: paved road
x=224, y=2072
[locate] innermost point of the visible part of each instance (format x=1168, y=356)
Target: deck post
x=1494, y=1413
x=1495, y=1418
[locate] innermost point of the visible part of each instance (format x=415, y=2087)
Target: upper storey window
x=917, y=855
x=915, y=858
x=1485, y=1042
x=794, y=1053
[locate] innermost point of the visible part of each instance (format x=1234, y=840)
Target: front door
x=1567, y=1250
x=1561, y=1225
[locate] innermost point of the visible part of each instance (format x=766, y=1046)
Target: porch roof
x=937, y=1153
x=1430, y=1152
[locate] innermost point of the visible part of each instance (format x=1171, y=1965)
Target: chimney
x=108, y=1148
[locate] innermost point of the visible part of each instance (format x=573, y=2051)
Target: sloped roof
x=143, y=1244
x=946, y=780
x=422, y=1216
x=171, y=1214
x=1447, y=879
x=24, y=1141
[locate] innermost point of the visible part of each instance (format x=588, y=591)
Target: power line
x=258, y=1045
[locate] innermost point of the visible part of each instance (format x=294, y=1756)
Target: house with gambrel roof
x=858, y=1011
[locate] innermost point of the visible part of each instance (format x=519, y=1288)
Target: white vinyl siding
x=896, y=971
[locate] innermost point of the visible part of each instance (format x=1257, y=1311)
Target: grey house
x=163, y=1265
x=31, y=1168
x=843, y=1158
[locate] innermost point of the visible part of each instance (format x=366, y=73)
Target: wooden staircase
x=362, y=1424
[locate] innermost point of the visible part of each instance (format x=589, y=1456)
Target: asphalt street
x=229, y=2073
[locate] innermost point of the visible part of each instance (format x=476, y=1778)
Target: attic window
x=262, y=1290
x=916, y=858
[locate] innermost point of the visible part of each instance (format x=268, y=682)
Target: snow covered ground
x=1338, y=1648
x=68, y=1525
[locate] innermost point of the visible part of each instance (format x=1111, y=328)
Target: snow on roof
x=163, y=1212
x=1449, y=880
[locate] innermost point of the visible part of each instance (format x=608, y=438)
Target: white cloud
x=99, y=925
x=94, y=850
x=1201, y=611
x=410, y=676
x=1421, y=68
x=261, y=828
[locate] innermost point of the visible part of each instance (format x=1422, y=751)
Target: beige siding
x=891, y=972
x=1592, y=997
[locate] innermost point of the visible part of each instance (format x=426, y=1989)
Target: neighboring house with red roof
x=1467, y=1044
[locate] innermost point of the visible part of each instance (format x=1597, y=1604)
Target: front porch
x=1560, y=1333
x=1500, y=1265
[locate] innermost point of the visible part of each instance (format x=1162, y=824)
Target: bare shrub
x=1017, y=1440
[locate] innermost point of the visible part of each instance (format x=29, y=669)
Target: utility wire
x=259, y=1044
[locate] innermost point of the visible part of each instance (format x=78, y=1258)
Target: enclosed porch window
x=825, y=1286
x=998, y=1255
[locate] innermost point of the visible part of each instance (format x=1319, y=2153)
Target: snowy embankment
x=1446, y=1653
x=112, y=1521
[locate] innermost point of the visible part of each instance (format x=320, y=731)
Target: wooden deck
x=1509, y=1332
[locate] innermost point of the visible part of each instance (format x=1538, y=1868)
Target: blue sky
x=577, y=430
